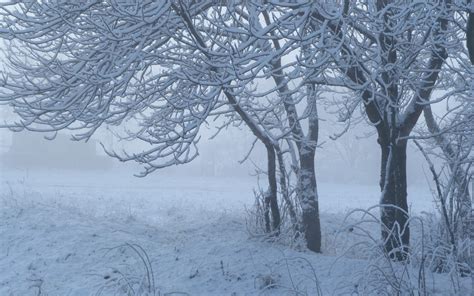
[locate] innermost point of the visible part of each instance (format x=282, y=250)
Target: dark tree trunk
x=470, y=36
x=394, y=206
x=271, y=200
x=308, y=196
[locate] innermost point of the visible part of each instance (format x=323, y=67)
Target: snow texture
x=65, y=233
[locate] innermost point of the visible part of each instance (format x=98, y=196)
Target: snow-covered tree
x=393, y=55
x=162, y=68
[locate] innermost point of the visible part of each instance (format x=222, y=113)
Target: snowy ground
x=70, y=233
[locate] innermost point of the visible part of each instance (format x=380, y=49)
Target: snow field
x=111, y=234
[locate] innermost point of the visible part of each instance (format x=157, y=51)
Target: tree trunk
x=284, y=190
x=308, y=196
x=470, y=36
x=271, y=195
x=394, y=206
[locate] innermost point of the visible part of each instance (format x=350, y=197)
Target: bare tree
x=161, y=69
x=455, y=142
x=392, y=55
x=450, y=141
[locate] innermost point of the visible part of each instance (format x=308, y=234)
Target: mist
x=158, y=148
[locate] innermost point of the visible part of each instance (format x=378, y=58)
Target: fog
x=353, y=158
x=236, y=148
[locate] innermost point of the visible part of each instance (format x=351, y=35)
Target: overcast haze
x=236, y=148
